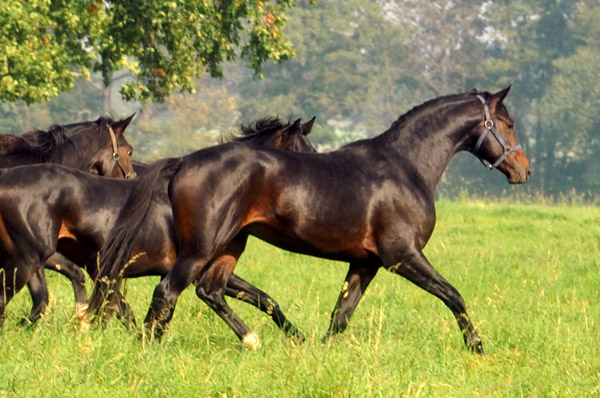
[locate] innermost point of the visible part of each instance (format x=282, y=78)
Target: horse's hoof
x=477, y=348
x=251, y=341
x=25, y=322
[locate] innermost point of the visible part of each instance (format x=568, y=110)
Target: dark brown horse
x=370, y=203
x=78, y=211
x=96, y=146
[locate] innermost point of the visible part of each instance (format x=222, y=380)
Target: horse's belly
x=330, y=243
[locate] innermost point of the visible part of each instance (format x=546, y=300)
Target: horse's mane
x=259, y=128
x=432, y=108
x=50, y=145
x=45, y=141
x=44, y=145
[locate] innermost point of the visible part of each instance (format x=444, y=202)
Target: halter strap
x=115, y=148
x=488, y=127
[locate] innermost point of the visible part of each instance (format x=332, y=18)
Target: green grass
x=529, y=275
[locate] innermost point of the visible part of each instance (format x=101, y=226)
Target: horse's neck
x=77, y=154
x=429, y=146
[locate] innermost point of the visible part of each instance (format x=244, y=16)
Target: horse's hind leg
x=239, y=289
x=357, y=280
x=38, y=288
x=119, y=305
x=185, y=271
x=417, y=269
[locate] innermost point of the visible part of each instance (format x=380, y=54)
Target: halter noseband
x=117, y=160
x=488, y=126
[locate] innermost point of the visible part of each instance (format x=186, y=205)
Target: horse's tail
x=117, y=249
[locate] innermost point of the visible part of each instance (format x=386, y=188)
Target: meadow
x=529, y=274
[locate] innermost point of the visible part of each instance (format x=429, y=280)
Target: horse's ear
x=296, y=125
x=497, y=98
x=120, y=125
x=307, y=127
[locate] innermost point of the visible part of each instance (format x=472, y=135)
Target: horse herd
x=369, y=204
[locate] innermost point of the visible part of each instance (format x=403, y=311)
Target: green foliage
x=39, y=46
x=165, y=44
x=529, y=277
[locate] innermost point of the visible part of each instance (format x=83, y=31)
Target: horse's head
x=497, y=145
x=11, y=143
x=294, y=137
x=114, y=157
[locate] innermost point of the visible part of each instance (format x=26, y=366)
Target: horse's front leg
x=38, y=289
x=12, y=279
x=415, y=267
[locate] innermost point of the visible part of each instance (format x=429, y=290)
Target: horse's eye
x=130, y=152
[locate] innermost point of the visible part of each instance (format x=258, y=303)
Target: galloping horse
x=96, y=146
x=370, y=203
x=49, y=208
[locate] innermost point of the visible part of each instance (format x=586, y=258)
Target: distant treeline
x=360, y=64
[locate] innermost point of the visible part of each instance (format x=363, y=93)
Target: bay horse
x=96, y=146
x=369, y=203
x=49, y=208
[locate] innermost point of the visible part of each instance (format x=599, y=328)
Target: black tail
x=116, y=251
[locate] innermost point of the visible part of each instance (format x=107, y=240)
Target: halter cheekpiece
x=488, y=126
x=116, y=159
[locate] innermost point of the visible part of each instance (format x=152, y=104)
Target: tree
x=185, y=122
x=351, y=70
x=568, y=109
x=164, y=44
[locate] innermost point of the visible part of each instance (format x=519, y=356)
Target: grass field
x=529, y=274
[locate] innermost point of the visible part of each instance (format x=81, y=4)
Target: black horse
x=370, y=203
x=72, y=213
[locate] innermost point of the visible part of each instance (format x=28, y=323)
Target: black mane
x=432, y=109
x=45, y=144
x=50, y=146
x=258, y=129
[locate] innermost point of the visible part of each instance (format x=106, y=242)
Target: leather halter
x=488, y=127
x=115, y=155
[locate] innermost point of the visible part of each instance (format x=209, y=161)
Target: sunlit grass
x=529, y=275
